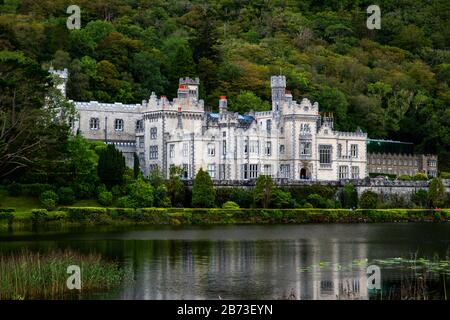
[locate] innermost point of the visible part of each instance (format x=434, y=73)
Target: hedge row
x=177, y=216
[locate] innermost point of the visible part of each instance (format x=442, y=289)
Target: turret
x=188, y=88
x=278, y=85
x=223, y=104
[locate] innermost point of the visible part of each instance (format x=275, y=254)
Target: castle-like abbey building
x=292, y=141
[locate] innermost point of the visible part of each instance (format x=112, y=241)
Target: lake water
x=318, y=261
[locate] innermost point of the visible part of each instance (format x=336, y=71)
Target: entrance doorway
x=304, y=175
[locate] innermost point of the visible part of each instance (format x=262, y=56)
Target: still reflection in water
x=247, y=262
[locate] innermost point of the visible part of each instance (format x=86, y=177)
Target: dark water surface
x=321, y=261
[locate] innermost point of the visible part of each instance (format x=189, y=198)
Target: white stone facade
x=291, y=141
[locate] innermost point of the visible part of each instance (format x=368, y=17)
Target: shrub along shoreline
x=194, y=216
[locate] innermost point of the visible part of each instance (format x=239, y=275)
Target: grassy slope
x=24, y=204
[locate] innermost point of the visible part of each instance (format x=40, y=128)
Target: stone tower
x=278, y=86
x=188, y=88
x=223, y=104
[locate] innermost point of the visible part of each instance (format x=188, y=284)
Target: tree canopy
x=392, y=82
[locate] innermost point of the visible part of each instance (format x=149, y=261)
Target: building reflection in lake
x=180, y=269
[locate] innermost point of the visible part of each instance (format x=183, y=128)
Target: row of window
x=344, y=172
x=395, y=162
x=353, y=150
x=394, y=171
x=119, y=125
x=432, y=163
x=185, y=150
x=251, y=171
x=252, y=147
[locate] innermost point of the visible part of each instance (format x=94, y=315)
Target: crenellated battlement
x=116, y=106
x=189, y=81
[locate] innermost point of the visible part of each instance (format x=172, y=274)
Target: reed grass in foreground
x=29, y=275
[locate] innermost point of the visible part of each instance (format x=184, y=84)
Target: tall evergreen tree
x=175, y=187
x=436, y=193
x=262, y=193
x=136, y=167
x=111, y=166
x=203, y=193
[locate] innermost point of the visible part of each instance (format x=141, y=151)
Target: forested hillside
x=393, y=82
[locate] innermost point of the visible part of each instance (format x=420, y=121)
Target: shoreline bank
x=190, y=216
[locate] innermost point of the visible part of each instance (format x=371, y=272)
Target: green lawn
x=24, y=204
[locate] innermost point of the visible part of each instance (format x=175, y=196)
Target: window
x=71, y=123
x=254, y=147
x=268, y=170
x=244, y=171
x=141, y=158
x=355, y=172
x=285, y=170
x=94, y=124
x=152, y=167
x=118, y=125
x=325, y=155
x=153, y=152
x=268, y=148
x=343, y=172
x=153, y=133
x=354, y=150
x=171, y=151
x=224, y=134
x=269, y=125
x=185, y=173
x=305, y=148
x=139, y=125
x=224, y=147
x=253, y=172
x=211, y=149
x=249, y=171
x=141, y=142
x=245, y=146
x=282, y=148
x=305, y=128
x=281, y=130
x=212, y=170
x=339, y=150
x=185, y=149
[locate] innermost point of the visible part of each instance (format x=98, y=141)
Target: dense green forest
x=393, y=82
